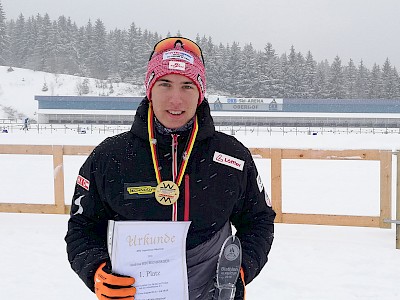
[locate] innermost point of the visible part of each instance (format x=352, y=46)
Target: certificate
x=154, y=253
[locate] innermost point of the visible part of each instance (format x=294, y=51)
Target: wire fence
x=14, y=127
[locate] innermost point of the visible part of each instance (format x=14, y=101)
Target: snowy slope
x=18, y=88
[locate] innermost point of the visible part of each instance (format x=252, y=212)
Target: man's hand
x=114, y=286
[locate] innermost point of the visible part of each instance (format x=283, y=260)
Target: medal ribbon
x=186, y=152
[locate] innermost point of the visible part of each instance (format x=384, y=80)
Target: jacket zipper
x=174, y=172
x=187, y=199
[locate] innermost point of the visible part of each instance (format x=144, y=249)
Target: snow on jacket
x=220, y=193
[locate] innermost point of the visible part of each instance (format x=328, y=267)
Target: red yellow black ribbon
x=153, y=147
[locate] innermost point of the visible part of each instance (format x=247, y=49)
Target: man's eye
x=187, y=86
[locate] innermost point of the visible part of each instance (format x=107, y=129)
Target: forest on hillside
x=119, y=55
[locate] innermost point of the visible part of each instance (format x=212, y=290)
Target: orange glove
x=244, y=283
x=107, y=285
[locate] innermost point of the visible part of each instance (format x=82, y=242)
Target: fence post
x=58, y=169
x=385, y=188
x=398, y=201
x=276, y=183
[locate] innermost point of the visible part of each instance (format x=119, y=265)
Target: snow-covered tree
x=295, y=85
x=336, y=80
x=350, y=80
x=310, y=71
x=18, y=42
x=269, y=69
x=375, y=83
x=321, y=80
x=42, y=52
x=59, y=46
x=249, y=85
x=99, y=60
x=4, y=38
x=397, y=83
x=362, y=81
x=388, y=81
x=234, y=69
x=210, y=54
x=66, y=47
x=220, y=70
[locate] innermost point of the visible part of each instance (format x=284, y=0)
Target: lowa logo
x=141, y=190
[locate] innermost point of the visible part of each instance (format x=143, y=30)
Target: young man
x=172, y=138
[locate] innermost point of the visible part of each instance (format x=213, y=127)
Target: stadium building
x=368, y=113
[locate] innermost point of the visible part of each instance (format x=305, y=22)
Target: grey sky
x=357, y=29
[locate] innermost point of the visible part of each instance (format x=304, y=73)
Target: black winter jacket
x=219, y=193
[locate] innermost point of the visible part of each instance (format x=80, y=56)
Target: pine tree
x=285, y=77
x=300, y=73
x=99, y=60
x=233, y=70
x=116, y=48
x=62, y=46
x=350, y=75
x=269, y=73
x=249, y=85
x=321, y=80
x=142, y=56
x=84, y=45
x=310, y=71
x=362, y=81
x=336, y=80
x=375, y=83
x=18, y=42
x=388, y=81
x=295, y=86
x=31, y=33
x=210, y=52
x=127, y=71
x=4, y=38
x=42, y=52
x=9, y=56
x=220, y=70
x=396, y=79
x=46, y=39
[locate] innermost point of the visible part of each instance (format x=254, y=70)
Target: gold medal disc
x=167, y=192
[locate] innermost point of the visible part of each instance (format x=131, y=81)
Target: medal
x=167, y=192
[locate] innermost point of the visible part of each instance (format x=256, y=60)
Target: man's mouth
x=175, y=112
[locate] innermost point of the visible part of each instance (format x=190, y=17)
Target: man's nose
x=175, y=95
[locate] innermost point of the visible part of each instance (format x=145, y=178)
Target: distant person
x=26, y=124
x=217, y=104
x=172, y=138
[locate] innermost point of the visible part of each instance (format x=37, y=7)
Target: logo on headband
x=177, y=65
x=150, y=79
x=177, y=54
x=200, y=82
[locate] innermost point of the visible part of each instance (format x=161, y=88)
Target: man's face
x=174, y=99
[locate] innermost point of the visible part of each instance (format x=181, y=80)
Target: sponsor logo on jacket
x=139, y=190
x=83, y=182
x=228, y=160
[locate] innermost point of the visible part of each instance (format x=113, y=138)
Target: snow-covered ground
x=306, y=262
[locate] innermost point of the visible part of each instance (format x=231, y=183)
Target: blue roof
x=88, y=98
x=88, y=102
